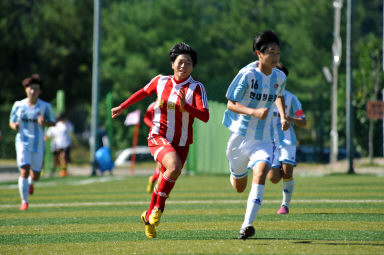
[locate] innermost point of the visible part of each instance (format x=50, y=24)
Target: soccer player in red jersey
x=148, y=116
x=180, y=99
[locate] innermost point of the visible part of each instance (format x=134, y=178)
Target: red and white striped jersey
x=170, y=120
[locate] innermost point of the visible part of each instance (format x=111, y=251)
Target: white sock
x=23, y=189
x=30, y=180
x=287, y=192
x=255, y=199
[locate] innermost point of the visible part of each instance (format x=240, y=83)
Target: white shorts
x=285, y=154
x=26, y=157
x=244, y=153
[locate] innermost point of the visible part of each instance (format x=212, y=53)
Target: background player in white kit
x=29, y=117
x=285, y=145
x=61, y=135
x=250, y=96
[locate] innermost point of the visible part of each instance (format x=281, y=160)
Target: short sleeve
x=49, y=115
x=14, y=117
x=238, y=87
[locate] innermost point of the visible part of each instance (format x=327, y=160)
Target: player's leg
x=288, y=186
x=63, y=163
x=152, y=179
x=23, y=158
x=173, y=165
x=24, y=186
x=172, y=162
x=288, y=157
x=37, y=159
x=275, y=173
x=238, y=162
x=260, y=163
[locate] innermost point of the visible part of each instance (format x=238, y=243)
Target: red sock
x=153, y=202
x=156, y=174
x=165, y=187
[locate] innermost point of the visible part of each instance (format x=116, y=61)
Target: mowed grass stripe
x=352, y=204
x=187, y=201
x=198, y=226
x=191, y=211
x=223, y=247
x=192, y=235
x=345, y=217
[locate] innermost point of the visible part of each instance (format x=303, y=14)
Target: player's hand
x=40, y=119
x=14, y=125
x=116, y=111
x=260, y=113
x=284, y=124
x=182, y=97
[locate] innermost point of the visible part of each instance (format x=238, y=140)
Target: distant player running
x=285, y=145
x=251, y=95
x=180, y=99
x=29, y=117
x=148, y=116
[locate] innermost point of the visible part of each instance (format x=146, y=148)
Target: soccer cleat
x=150, y=231
x=23, y=206
x=154, y=217
x=246, y=232
x=150, y=185
x=63, y=173
x=283, y=210
x=31, y=189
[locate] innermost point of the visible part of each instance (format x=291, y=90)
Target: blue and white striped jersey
x=254, y=89
x=31, y=133
x=292, y=109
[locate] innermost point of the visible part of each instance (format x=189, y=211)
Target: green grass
x=337, y=214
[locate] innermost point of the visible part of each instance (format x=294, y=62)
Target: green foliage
x=54, y=38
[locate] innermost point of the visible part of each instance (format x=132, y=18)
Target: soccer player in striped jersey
x=29, y=117
x=285, y=145
x=148, y=116
x=180, y=99
x=251, y=96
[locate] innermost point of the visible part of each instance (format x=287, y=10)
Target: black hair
x=34, y=79
x=182, y=48
x=61, y=116
x=283, y=68
x=264, y=39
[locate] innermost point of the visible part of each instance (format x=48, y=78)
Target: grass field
x=336, y=214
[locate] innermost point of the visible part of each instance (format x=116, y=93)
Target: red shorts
x=159, y=146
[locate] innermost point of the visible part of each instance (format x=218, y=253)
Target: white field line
x=188, y=202
x=73, y=183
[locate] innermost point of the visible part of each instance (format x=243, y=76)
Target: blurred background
x=55, y=39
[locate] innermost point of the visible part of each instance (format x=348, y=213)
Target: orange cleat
x=23, y=206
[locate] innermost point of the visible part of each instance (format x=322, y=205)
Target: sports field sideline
x=333, y=214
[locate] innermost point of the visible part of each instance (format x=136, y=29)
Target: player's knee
x=240, y=189
x=274, y=179
x=239, y=184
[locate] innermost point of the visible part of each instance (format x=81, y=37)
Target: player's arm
x=14, y=125
x=136, y=97
x=14, y=119
x=148, y=116
x=301, y=122
x=148, y=119
x=260, y=113
x=236, y=92
x=201, y=110
x=281, y=107
x=47, y=119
